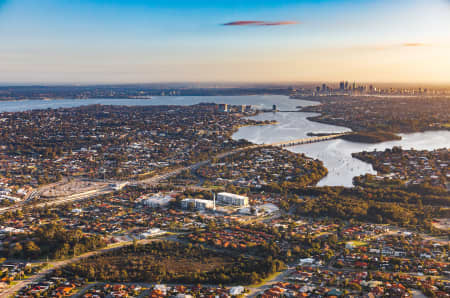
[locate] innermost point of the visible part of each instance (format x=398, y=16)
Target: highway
x=308, y=140
x=107, y=190
x=157, y=179
x=59, y=201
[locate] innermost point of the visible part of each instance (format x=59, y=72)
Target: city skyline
x=89, y=42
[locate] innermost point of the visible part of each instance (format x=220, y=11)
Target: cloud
x=414, y=44
x=244, y=23
x=389, y=47
x=281, y=23
x=260, y=23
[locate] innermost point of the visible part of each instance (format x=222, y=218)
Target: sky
x=144, y=41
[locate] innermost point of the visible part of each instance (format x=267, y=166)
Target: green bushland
x=172, y=262
x=371, y=137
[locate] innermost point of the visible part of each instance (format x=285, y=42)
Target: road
x=309, y=140
x=150, y=181
x=418, y=294
x=107, y=190
x=58, y=264
x=102, y=191
x=62, y=200
x=254, y=291
x=156, y=179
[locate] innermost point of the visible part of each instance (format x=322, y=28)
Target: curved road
x=106, y=190
x=59, y=264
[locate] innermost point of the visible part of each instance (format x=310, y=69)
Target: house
x=235, y=291
x=309, y=262
x=387, y=251
x=334, y=293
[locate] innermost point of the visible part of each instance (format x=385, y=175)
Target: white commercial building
x=197, y=204
x=225, y=198
x=223, y=107
x=157, y=201
x=152, y=233
x=118, y=186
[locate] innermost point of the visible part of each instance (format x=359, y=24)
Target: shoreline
x=361, y=136
x=330, y=165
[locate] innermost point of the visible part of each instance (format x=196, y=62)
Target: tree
x=32, y=249
x=135, y=244
x=17, y=250
x=355, y=287
x=379, y=218
x=254, y=278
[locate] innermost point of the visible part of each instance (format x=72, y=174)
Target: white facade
x=157, y=201
x=223, y=107
x=152, y=233
x=118, y=186
x=235, y=291
x=198, y=204
x=9, y=198
x=225, y=198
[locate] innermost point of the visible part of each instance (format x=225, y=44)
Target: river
x=336, y=154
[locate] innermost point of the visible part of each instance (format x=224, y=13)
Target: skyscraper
x=223, y=107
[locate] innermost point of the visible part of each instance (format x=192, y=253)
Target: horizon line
x=74, y=84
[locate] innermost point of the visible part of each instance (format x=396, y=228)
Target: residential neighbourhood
x=263, y=168
x=411, y=166
x=153, y=139
x=224, y=148
x=238, y=219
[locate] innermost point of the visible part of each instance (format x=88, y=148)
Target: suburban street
x=107, y=190
x=61, y=263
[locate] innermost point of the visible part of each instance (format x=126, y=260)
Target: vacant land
x=70, y=188
x=172, y=262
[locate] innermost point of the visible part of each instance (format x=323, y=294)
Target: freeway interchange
x=156, y=179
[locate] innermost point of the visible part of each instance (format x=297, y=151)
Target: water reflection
x=336, y=154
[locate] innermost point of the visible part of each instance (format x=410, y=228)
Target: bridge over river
x=307, y=140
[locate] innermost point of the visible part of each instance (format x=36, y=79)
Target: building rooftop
x=231, y=195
